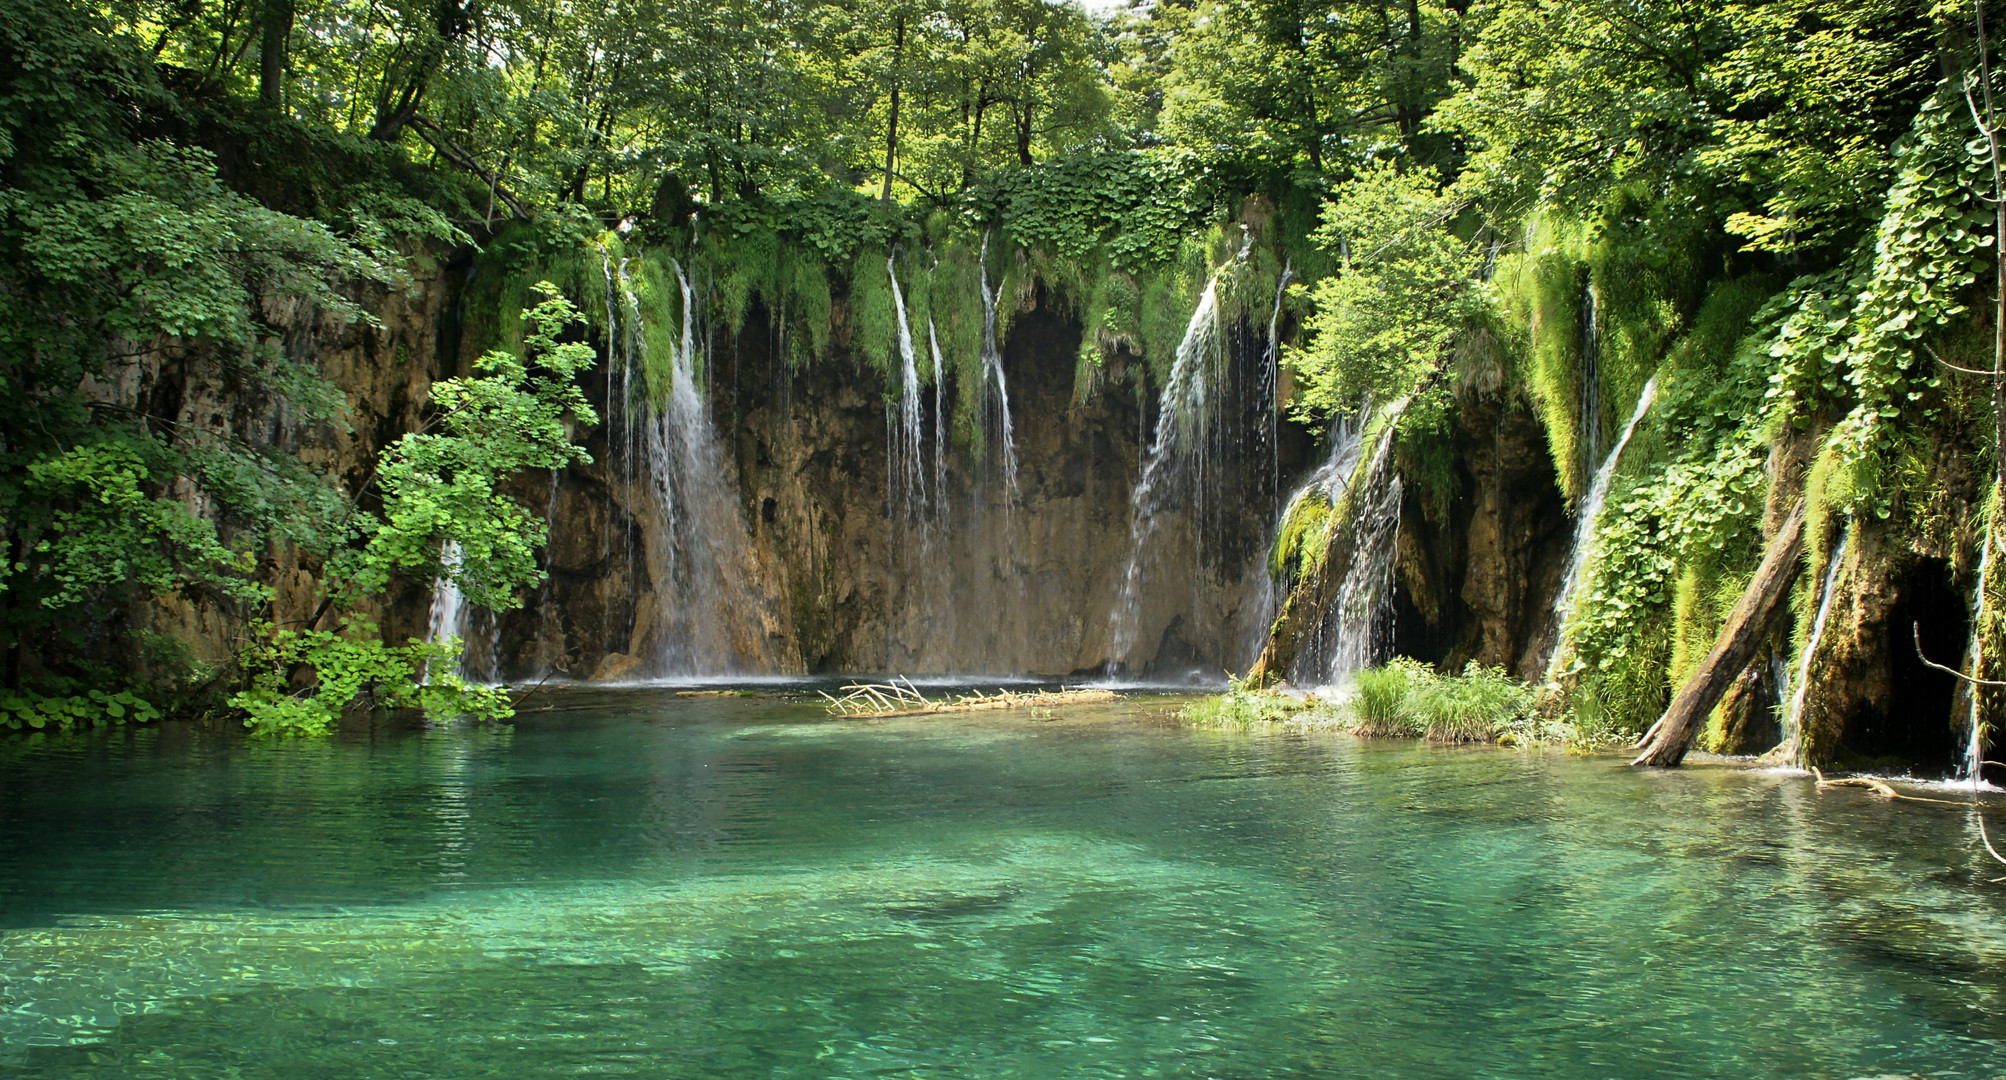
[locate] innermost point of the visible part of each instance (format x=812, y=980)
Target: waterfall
x=939, y=421
x=1334, y=476
x=906, y=489
x=1591, y=376
x=1974, y=747
x=1801, y=684
x=1177, y=463
x=622, y=434
x=1584, y=530
x=449, y=607
x=1271, y=376
x=992, y=382
x=708, y=621
x=1353, y=636
x=1176, y=457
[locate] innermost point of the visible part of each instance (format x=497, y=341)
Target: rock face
x=981, y=581
x=384, y=372
x=1872, y=702
x=1476, y=577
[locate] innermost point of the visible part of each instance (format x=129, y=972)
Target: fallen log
x=1740, y=638
x=879, y=700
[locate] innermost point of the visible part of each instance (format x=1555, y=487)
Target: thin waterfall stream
x=1175, y=461
x=1590, y=402
x=1974, y=739
x=1585, y=525
x=448, y=617
x=705, y=613
x=939, y=421
x=1354, y=634
x=1793, y=726
x=906, y=488
x=995, y=389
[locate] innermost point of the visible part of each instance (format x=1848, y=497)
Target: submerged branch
x=891, y=699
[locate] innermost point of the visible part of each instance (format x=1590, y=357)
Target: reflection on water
x=650, y=885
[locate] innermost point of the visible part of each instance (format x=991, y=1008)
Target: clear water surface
x=641, y=884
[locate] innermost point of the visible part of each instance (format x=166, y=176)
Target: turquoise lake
x=635, y=883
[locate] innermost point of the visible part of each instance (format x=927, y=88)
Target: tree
x=444, y=519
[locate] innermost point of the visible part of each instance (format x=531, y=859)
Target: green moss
x=1540, y=296
x=873, y=318
x=1300, y=538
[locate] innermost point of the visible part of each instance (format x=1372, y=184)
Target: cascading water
x=1176, y=458
x=1591, y=377
x=995, y=393
x=907, y=483
x=939, y=421
x=1793, y=727
x=449, y=607
x=1270, y=379
x=1176, y=470
x=1267, y=439
x=1584, y=530
x=623, y=342
x=1974, y=745
x=1353, y=636
x=707, y=622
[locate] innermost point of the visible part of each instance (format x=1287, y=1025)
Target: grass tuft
x=1409, y=699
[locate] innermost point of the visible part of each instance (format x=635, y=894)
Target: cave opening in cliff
x=1916, y=726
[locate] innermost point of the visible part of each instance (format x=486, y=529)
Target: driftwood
x=903, y=699
x=1740, y=638
x=1879, y=787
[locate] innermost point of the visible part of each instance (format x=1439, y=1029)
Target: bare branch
x=1954, y=367
x=1973, y=680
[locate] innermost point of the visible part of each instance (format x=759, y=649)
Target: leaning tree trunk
x=1740, y=639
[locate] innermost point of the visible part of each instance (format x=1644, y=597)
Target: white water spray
x=1271, y=379
x=907, y=488
x=1590, y=399
x=1801, y=682
x=939, y=421
x=1974, y=748
x=1176, y=458
x=1585, y=527
x=449, y=607
x=1178, y=461
x=1352, y=637
x=993, y=383
x=707, y=620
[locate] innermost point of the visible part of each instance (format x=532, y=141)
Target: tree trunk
x=435, y=135
x=1024, y=133
x=278, y=30
x=892, y=127
x=1740, y=639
